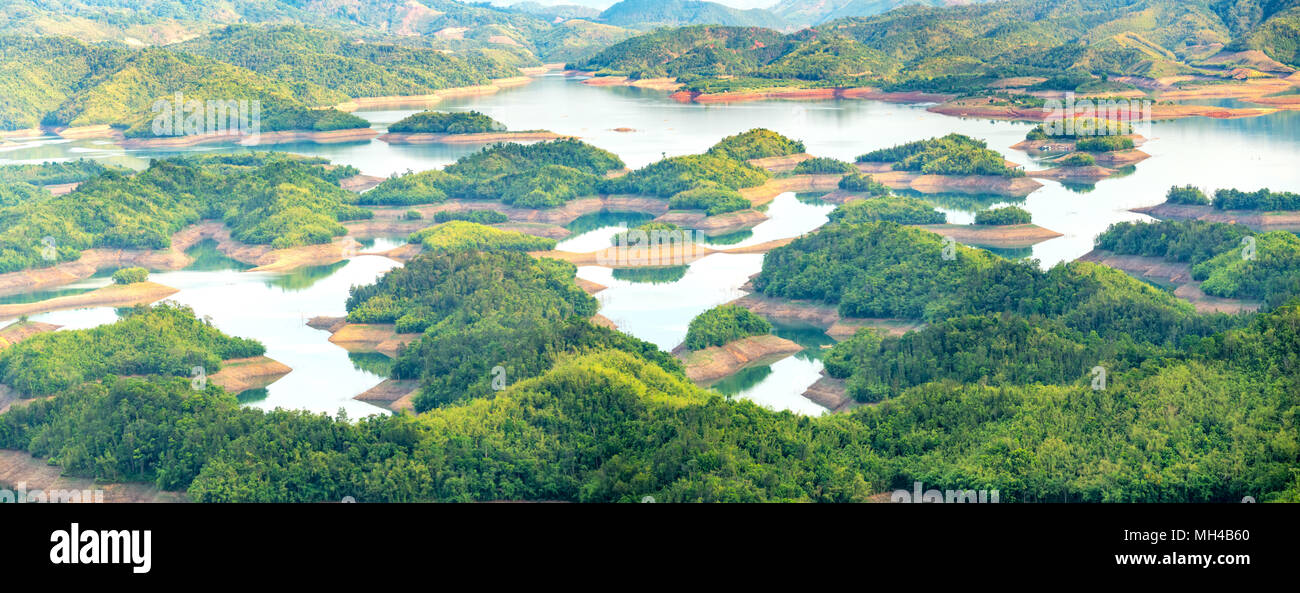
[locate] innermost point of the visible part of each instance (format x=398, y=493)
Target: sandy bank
x=361, y=337
x=590, y=287
x=718, y=224
x=1015, y=235
x=262, y=139
x=830, y=393
x=481, y=138
x=1089, y=174
x=1259, y=221
x=776, y=186
x=241, y=374
x=85, y=132
x=113, y=295
x=20, y=468
x=393, y=394
x=19, y=331
x=60, y=189
x=711, y=364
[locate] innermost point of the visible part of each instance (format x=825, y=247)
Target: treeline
x=52, y=172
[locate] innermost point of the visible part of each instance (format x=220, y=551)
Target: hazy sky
x=602, y=4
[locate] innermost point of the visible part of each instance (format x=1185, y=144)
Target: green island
x=436, y=122
x=722, y=325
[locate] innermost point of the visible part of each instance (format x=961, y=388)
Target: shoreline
x=241, y=374
x=33, y=473
x=707, y=366
x=1175, y=274
x=113, y=295
x=822, y=316
x=1258, y=220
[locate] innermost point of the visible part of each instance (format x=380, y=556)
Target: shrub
x=1186, y=194
x=823, y=165
x=861, y=182
x=712, y=200
x=130, y=275
x=1003, y=216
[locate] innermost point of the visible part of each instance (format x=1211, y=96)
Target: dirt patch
x=114, y=295
x=590, y=287
x=776, y=186
x=19, y=331
x=389, y=392
x=712, y=364
x=781, y=164
x=360, y=183
x=419, y=101
x=241, y=374
x=820, y=315
x=262, y=139
x=375, y=337
x=19, y=468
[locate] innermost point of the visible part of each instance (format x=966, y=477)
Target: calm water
x=1247, y=154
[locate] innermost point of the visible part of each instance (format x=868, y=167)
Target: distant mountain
x=812, y=12
x=649, y=14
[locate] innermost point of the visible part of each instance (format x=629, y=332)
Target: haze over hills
x=646, y=14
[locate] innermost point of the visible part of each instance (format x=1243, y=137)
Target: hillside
x=301, y=57
x=438, y=24
x=962, y=48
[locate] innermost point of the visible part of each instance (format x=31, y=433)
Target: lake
x=1246, y=154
